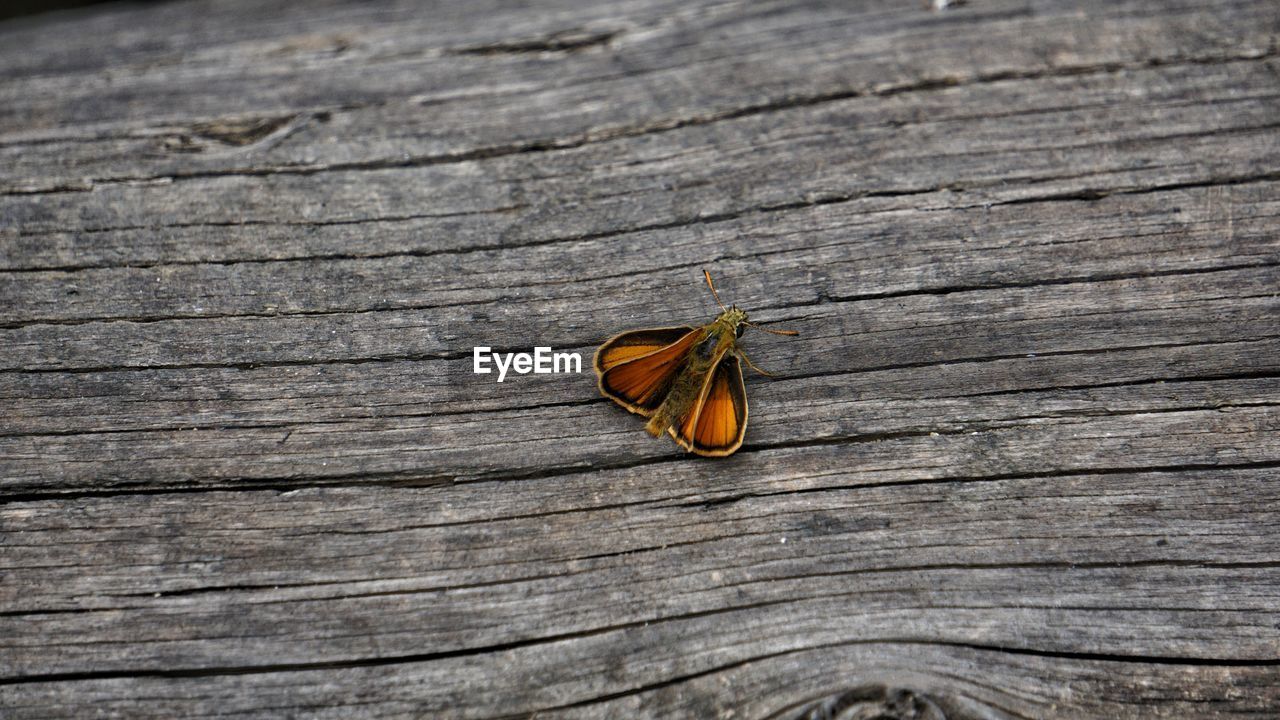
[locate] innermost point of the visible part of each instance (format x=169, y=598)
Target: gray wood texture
x=1021, y=463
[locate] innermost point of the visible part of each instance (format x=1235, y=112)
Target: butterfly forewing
x=637, y=368
x=637, y=343
x=716, y=424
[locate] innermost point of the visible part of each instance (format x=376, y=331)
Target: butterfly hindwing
x=637, y=368
x=717, y=423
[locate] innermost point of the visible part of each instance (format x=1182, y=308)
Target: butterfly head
x=733, y=320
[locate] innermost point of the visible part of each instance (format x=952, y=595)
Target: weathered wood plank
x=675, y=66
x=1020, y=462
x=1154, y=235
x=1067, y=687
x=732, y=169
x=882, y=575
x=785, y=285
x=1143, y=313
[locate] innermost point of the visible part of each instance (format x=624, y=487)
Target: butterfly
x=686, y=380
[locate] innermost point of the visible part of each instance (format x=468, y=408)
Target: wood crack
x=829, y=298
x=416, y=479
x=563, y=42
x=216, y=671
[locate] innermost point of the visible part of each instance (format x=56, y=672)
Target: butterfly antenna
x=789, y=333
x=714, y=294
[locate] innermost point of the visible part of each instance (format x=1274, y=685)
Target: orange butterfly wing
x=636, y=343
x=718, y=421
x=637, y=368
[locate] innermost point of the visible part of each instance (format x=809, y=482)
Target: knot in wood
x=872, y=702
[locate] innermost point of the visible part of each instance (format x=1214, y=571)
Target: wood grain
x=1020, y=463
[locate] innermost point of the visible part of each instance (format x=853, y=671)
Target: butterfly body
x=713, y=342
x=687, y=381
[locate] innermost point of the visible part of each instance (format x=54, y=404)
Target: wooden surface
x=1021, y=463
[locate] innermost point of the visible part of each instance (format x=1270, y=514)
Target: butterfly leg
x=752, y=365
